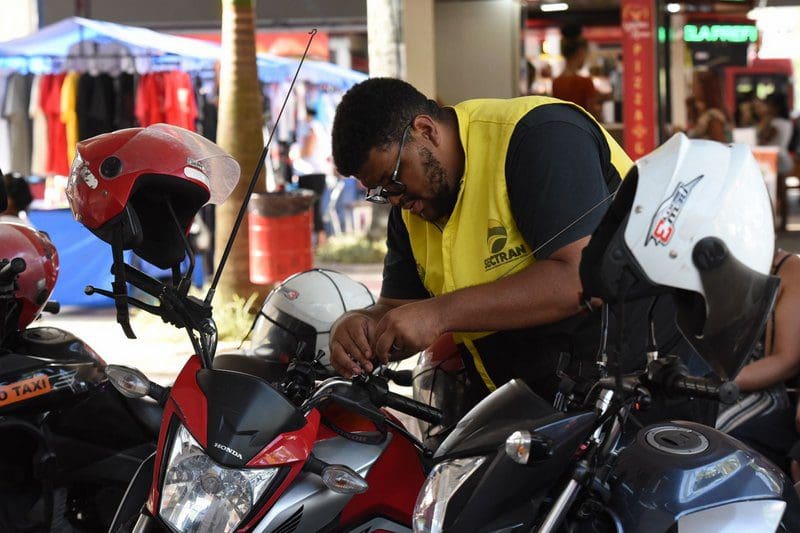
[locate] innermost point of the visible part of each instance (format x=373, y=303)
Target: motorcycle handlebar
x=413, y=408
x=10, y=270
x=51, y=306
x=404, y=378
x=726, y=392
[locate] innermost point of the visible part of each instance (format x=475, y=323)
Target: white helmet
x=302, y=308
x=692, y=218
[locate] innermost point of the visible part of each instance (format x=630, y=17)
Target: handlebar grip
x=51, y=306
x=404, y=378
x=727, y=392
x=413, y=408
x=12, y=268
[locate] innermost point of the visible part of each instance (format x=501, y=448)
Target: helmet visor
x=166, y=149
x=726, y=327
x=277, y=336
x=202, y=160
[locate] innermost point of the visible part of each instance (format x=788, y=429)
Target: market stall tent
x=86, y=44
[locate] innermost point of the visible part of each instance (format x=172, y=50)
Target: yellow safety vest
x=480, y=241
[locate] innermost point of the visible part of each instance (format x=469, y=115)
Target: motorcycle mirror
x=343, y=479
x=128, y=381
x=525, y=448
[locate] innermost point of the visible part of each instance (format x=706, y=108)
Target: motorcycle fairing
x=45, y=368
x=511, y=407
x=496, y=492
x=244, y=415
x=308, y=503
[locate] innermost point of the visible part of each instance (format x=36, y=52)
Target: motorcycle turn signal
x=525, y=448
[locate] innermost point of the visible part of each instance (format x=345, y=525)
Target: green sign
x=720, y=33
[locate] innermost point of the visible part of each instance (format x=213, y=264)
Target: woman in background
x=763, y=417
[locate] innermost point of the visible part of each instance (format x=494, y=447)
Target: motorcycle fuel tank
x=46, y=366
x=675, y=472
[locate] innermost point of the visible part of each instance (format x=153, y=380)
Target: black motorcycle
x=586, y=463
x=69, y=441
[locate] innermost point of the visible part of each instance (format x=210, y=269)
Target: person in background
x=571, y=85
x=19, y=198
x=745, y=111
x=763, y=416
x=774, y=128
x=314, y=165
x=705, y=122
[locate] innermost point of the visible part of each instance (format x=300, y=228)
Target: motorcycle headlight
x=200, y=495
x=442, y=482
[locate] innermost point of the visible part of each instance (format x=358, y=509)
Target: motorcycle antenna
x=259, y=166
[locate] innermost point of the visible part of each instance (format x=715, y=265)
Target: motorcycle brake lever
x=90, y=290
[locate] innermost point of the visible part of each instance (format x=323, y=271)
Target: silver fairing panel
x=308, y=503
x=739, y=517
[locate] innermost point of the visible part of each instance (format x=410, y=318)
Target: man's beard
x=444, y=194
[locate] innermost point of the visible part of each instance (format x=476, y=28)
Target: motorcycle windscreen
x=513, y=406
x=725, y=327
x=244, y=415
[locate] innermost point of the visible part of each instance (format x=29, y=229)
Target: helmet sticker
x=288, y=293
x=87, y=176
x=195, y=174
x=662, y=226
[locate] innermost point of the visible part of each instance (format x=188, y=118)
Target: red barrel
x=279, y=229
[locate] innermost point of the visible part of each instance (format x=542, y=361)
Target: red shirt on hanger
x=180, y=107
x=50, y=101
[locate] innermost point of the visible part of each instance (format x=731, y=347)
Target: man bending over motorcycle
x=492, y=203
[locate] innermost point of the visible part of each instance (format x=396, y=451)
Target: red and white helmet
x=126, y=185
x=35, y=284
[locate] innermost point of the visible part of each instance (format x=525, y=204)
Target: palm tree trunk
x=239, y=133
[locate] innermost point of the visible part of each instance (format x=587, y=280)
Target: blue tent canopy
x=273, y=68
x=77, y=40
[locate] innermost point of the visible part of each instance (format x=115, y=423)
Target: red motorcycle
x=238, y=449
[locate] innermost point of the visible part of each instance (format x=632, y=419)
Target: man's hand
x=408, y=329
x=351, y=338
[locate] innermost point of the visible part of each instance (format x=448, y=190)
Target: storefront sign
x=638, y=57
x=720, y=33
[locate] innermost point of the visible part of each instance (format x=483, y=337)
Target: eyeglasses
x=381, y=193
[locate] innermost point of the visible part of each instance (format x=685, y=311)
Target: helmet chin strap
x=119, y=286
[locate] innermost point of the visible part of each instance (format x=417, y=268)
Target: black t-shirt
x=558, y=166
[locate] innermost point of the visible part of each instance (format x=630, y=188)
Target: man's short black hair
x=373, y=114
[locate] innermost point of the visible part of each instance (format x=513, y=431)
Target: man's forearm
x=544, y=292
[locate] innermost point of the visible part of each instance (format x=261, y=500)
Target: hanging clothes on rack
x=150, y=99
x=5, y=140
x=96, y=105
x=69, y=115
x=50, y=98
x=125, y=101
x=38, y=162
x=180, y=106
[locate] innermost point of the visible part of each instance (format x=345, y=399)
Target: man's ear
x=427, y=128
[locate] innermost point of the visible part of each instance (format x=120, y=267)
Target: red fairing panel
x=188, y=403
x=394, y=482
x=295, y=446
x=289, y=447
